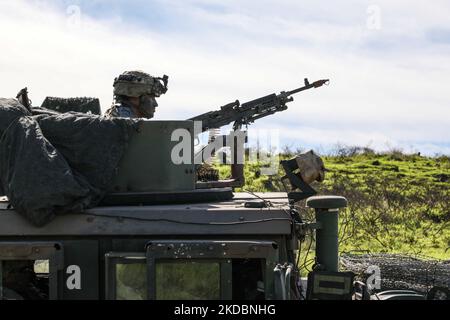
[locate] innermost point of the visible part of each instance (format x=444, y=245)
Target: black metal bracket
x=296, y=182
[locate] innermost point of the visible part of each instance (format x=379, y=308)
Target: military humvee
x=213, y=250
x=161, y=233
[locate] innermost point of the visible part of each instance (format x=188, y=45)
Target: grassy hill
x=398, y=203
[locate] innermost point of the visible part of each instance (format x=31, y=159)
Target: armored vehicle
x=213, y=250
x=161, y=233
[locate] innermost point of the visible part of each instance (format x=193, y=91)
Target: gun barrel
x=316, y=84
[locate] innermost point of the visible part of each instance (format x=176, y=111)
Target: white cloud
x=242, y=50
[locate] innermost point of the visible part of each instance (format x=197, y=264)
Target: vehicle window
x=131, y=281
x=248, y=279
x=24, y=280
x=187, y=280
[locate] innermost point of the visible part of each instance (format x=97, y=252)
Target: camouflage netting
x=400, y=271
x=52, y=163
x=85, y=105
x=206, y=172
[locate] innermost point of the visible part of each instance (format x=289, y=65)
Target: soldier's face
x=148, y=105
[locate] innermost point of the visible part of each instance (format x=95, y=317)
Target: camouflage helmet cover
x=138, y=83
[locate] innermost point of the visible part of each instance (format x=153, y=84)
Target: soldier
x=135, y=94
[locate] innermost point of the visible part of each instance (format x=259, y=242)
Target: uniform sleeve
x=120, y=112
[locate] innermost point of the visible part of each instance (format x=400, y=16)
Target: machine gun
x=241, y=115
x=248, y=112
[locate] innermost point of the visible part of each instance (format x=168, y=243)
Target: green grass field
x=397, y=203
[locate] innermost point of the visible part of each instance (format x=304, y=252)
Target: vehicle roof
x=218, y=218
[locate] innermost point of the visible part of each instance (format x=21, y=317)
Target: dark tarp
x=10, y=111
x=53, y=163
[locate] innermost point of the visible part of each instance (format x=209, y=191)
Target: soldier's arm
x=120, y=112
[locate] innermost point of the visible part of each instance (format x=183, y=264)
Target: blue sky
x=388, y=61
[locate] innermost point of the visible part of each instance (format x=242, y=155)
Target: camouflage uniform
x=136, y=84
x=122, y=110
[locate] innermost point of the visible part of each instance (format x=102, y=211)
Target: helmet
x=138, y=83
